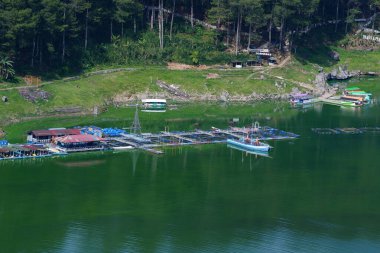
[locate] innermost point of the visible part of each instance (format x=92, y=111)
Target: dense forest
x=69, y=35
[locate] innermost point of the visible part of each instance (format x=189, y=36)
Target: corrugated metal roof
x=80, y=138
x=55, y=132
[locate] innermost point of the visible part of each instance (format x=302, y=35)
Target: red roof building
x=45, y=136
x=79, y=143
x=81, y=138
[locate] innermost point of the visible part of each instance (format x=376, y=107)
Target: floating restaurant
x=79, y=143
x=61, y=141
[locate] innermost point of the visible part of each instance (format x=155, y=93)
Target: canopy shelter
x=22, y=151
x=81, y=141
x=252, y=63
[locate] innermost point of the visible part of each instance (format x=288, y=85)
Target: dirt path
x=303, y=85
x=284, y=62
x=20, y=87
x=328, y=94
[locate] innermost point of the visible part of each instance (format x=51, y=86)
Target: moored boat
x=154, y=104
x=357, y=92
x=123, y=148
x=249, y=145
x=256, y=153
x=352, y=89
x=367, y=97
x=340, y=102
x=302, y=99
x=352, y=98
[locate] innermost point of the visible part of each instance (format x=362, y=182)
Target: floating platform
x=152, y=142
x=347, y=130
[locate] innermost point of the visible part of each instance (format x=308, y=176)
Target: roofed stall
x=237, y=64
x=252, y=63
x=23, y=151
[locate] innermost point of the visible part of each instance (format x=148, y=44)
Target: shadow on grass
x=315, y=47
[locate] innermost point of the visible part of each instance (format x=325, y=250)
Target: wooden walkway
x=178, y=136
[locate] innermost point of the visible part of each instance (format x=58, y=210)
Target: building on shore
x=46, y=136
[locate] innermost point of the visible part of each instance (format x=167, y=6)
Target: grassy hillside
x=97, y=90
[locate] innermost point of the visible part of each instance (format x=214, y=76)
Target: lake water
x=319, y=193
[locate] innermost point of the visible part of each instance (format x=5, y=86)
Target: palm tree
x=6, y=68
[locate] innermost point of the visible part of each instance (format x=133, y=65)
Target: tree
x=375, y=6
x=254, y=17
x=87, y=6
x=122, y=13
x=192, y=13
x=237, y=8
x=219, y=13
x=337, y=15
x=270, y=17
x=6, y=68
x=352, y=11
x=66, y=34
x=161, y=22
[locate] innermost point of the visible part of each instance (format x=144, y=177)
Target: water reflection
x=82, y=163
x=316, y=194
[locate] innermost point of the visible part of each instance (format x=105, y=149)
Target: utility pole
x=136, y=126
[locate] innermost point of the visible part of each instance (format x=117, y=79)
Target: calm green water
x=315, y=194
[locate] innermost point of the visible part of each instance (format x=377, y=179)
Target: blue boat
x=249, y=145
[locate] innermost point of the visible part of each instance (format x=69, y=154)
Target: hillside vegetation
x=53, y=38
x=57, y=39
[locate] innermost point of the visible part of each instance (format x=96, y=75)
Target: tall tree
x=337, y=15
x=122, y=13
x=254, y=17
x=219, y=13
x=375, y=5
x=172, y=20
x=192, y=13
x=161, y=22
x=352, y=11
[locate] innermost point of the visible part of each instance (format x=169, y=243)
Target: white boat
x=154, y=110
x=154, y=104
x=123, y=148
x=256, y=153
x=250, y=145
